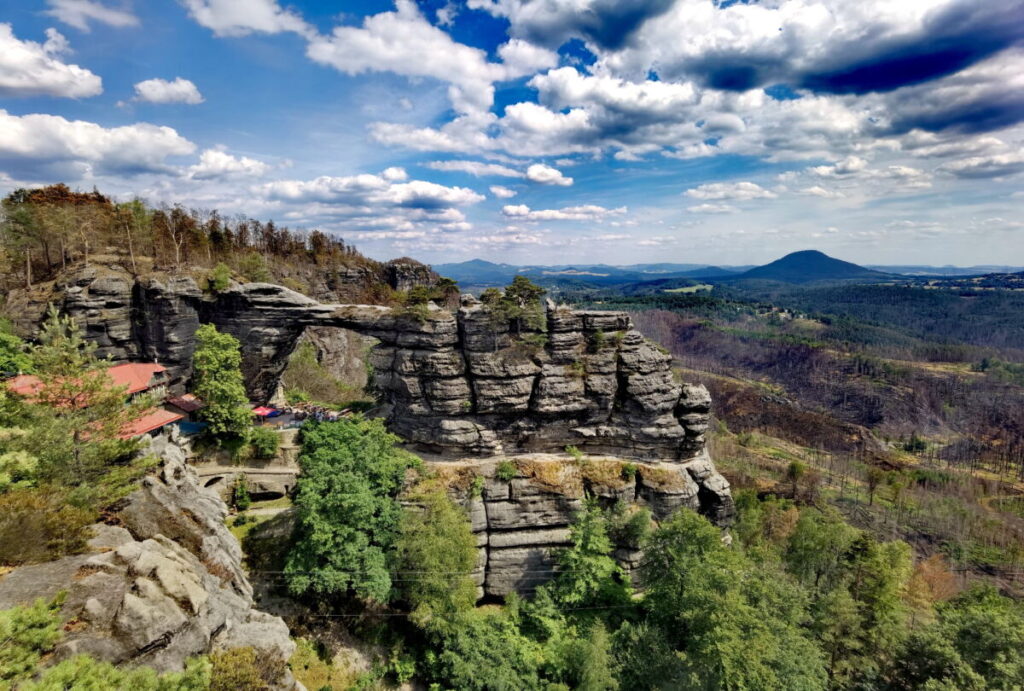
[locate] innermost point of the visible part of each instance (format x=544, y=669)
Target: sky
x=541, y=131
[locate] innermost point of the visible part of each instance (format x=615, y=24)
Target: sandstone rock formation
x=164, y=585
x=521, y=522
x=454, y=382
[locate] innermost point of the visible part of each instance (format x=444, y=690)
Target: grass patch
x=563, y=478
x=609, y=474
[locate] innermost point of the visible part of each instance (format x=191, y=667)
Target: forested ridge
x=44, y=231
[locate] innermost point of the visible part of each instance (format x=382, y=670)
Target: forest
x=45, y=230
x=905, y=403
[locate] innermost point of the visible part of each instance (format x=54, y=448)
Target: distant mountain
x=918, y=270
x=809, y=266
x=478, y=271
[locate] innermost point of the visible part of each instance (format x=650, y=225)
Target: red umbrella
x=262, y=411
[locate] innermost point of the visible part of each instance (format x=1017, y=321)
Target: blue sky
x=541, y=130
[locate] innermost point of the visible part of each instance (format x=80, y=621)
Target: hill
x=811, y=265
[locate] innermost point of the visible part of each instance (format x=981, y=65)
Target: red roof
x=137, y=376
x=152, y=420
x=25, y=384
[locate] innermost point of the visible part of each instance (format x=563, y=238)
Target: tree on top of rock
x=217, y=379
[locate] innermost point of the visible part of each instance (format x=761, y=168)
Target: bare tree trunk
x=131, y=247
x=28, y=269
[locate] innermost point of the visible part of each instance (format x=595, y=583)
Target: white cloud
x=28, y=68
x=34, y=142
x=586, y=212
x=405, y=43
x=521, y=58
x=371, y=190
x=819, y=191
x=546, y=175
x=712, y=209
x=739, y=191
x=243, y=17
x=848, y=166
x=476, y=168
x=78, y=13
x=502, y=192
x=162, y=91
x=1000, y=165
x=217, y=164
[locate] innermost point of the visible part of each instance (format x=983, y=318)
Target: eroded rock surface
x=461, y=382
x=163, y=586
x=521, y=521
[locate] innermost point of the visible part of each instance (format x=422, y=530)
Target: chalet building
x=137, y=378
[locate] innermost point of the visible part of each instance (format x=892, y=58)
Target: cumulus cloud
x=829, y=46
x=371, y=190
x=819, y=191
x=162, y=91
x=243, y=17
x=712, y=209
x=502, y=192
x=79, y=13
x=587, y=212
x=215, y=164
x=998, y=166
x=476, y=168
x=738, y=191
x=606, y=23
x=28, y=68
x=406, y=43
x=546, y=175
x=39, y=143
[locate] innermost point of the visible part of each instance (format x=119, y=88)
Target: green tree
x=484, y=651
x=347, y=510
x=219, y=278
x=76, y=416
x=816, y=547
x=436, y=552
x=588, y=575
x=217, y=379
x=14, y=353
x=734, y=623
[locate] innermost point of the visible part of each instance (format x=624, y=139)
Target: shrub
x=506, y=471
x=243, y=669
x=240, y=495
x=629, y=470
x=26, y=633
x=254, y=267
x=598, y=340
x=576, y=454
x=264, y=442
x=219, y=278
x=41, y=524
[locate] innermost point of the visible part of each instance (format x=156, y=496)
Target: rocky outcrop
x=163, y=585
x=454, y=382
x=521, y=509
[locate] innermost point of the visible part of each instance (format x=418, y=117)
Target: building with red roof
x=136, y=378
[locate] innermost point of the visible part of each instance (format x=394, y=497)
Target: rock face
x=163, y=586
x=454, y=382
x=521, y=512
